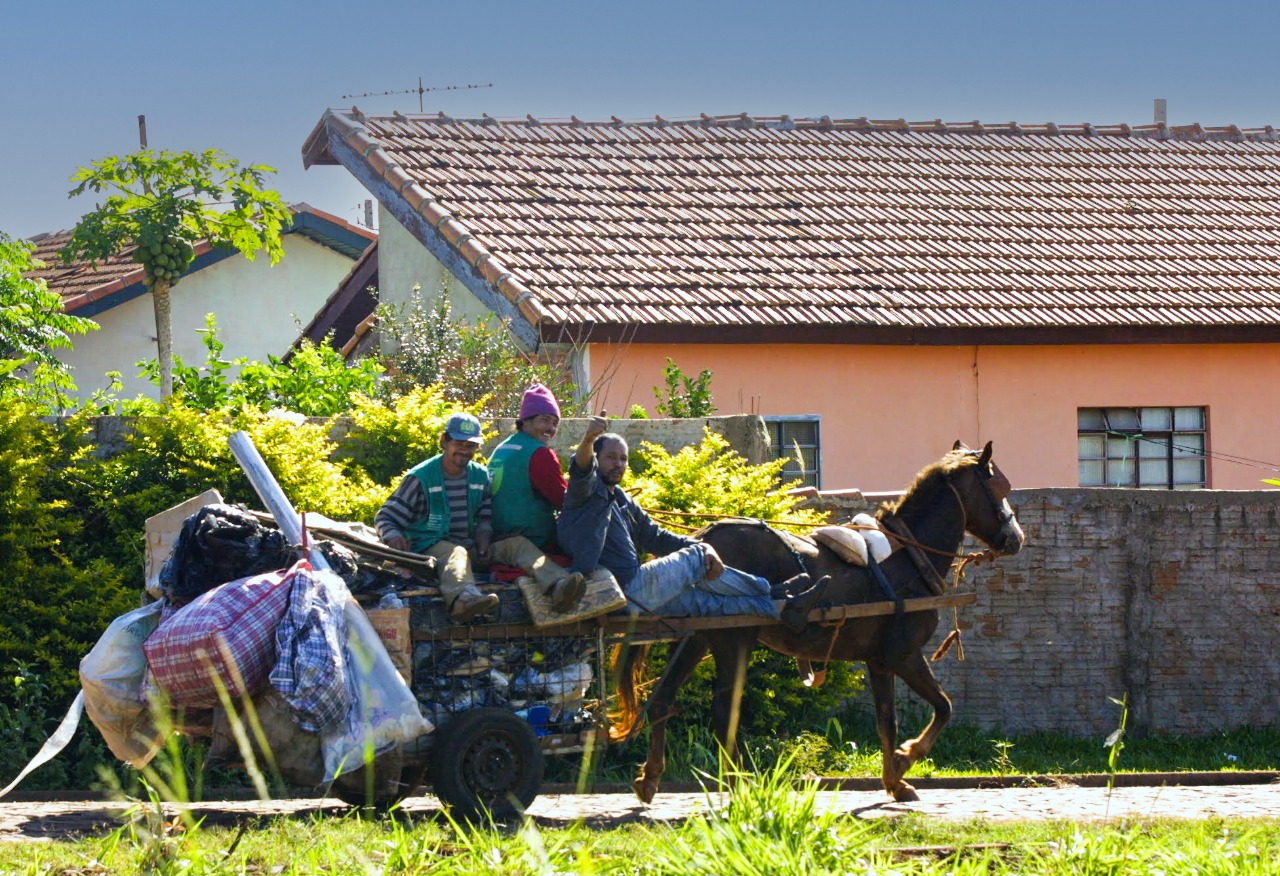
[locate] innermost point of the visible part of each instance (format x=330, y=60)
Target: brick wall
x=1172, y=598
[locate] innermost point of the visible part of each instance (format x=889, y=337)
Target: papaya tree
x=161, y=204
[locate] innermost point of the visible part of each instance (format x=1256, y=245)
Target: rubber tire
x=487, y=763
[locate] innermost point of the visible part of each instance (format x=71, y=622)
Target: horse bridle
x=1003, y=515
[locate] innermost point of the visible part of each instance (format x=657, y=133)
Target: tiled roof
x=82, y=285
x=739, y=223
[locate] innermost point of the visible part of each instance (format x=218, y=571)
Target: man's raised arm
x=585, y=453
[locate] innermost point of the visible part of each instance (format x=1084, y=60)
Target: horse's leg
x=918, y=675
x=660, y=708
x=731, y=651
x=882, y=680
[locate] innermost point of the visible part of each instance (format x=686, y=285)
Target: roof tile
x=739, y=221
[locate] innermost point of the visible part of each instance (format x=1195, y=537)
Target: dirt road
x=27, y=821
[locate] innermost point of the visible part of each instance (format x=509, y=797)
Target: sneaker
x=795, y=614
x=790, y=587
x=471, y=605
x=566, y=592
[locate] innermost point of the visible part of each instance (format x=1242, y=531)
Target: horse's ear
x=984, y=461
x=959, y=445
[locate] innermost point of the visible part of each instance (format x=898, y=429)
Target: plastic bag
x=568, y=683
x=111, y=675
x=384, y=712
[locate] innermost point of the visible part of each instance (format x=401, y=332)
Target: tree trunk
x=164, y=336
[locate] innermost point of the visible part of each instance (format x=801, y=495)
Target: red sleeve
x=546, y=477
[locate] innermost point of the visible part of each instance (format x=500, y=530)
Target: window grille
x=796, y=439
x=1154, y=448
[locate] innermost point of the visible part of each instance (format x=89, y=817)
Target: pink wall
x=888, y=411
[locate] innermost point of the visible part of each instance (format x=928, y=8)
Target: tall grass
x=773, y=823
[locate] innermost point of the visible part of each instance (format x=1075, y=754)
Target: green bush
x=471, y=364
x=57, y=592
x=387, y=439
x=685, y=396
x=315, y=382
x=713, y=480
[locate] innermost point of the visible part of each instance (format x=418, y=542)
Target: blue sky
x=253, y=78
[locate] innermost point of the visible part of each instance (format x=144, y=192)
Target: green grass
x=772, y=825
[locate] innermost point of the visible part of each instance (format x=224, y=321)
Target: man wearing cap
x=528, y=485
x=443, y=508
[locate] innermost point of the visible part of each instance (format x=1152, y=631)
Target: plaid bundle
x=311, y=664
x=226, y=636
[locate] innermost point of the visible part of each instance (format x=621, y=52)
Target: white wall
x=403, y=262
x=259, y=307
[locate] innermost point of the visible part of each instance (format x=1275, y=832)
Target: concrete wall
x=745, y=433
x=1170, y=598
x=885, y=409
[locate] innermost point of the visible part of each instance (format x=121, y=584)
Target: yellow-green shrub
x=387, y=439
x=713, y=479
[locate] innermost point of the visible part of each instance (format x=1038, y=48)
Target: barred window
x=796, y=439
x=1148, y=448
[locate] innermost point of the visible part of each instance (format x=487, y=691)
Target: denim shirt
x=600, y=526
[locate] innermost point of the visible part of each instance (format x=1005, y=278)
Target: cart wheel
x=487, y=762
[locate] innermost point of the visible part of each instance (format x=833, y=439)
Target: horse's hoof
x=644, y=790
x=905, y=794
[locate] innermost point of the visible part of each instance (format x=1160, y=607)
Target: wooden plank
x=873, y=609
x=656, y=629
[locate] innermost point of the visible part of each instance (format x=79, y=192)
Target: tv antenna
x=418, y=91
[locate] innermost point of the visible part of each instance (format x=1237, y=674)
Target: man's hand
x=397, y=542
x=715, y=565
x=584, y=454
x=598, y=426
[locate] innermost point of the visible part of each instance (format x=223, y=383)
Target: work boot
x=795, y=614
x=471, y=604
x=790, y=587
x=566, y=592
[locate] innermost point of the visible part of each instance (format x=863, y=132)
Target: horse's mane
x=930, y=479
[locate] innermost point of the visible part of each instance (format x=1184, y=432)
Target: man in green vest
x=529, y=484
x=443, y=508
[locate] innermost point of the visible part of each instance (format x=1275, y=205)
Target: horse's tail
x=628, y=663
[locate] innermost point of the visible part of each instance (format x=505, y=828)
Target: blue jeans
x=676, y=585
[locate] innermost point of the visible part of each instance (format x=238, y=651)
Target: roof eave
x=845, y=335
x=483, y=275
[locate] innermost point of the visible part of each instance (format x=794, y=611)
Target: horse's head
x=983, y=492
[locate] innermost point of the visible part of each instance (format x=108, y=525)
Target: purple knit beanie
x=538, y=400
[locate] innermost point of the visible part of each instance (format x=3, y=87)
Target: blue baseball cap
x=464, y=427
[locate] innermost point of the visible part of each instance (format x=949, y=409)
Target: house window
x=796, y=440
x=1147, y=448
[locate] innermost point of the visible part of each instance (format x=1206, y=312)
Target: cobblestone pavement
x=27, y=821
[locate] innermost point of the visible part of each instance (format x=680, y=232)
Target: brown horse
x=962, y=492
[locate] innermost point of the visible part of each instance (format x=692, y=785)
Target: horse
x=962, y=492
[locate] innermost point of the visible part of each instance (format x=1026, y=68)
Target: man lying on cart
x=600, y=525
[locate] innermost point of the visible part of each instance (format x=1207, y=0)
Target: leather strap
x=935, y=582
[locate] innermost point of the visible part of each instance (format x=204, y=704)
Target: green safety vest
x=519, y=509
x=426, y=531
